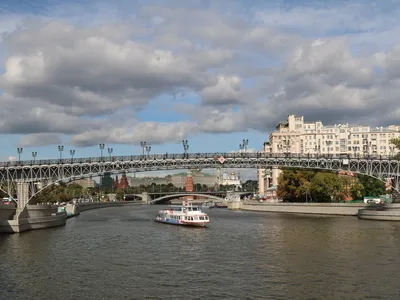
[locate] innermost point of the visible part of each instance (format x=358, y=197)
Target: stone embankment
x=339, y=209
x=44, y=215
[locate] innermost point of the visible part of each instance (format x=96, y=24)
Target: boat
x=207, y=205
x=220, y=205
x=185, y=214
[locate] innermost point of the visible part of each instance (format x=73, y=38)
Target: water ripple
x=122, y=254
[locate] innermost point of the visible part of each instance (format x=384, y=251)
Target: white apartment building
x=296, y=136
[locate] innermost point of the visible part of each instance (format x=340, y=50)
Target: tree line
x=299, y=185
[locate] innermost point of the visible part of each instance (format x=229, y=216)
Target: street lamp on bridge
x=72, y=153
x=148, y=149
x=101, y=146
x=110, y=151
x=185, y=147
x=143, y=145
x=60, y=149
x=19, y=151
x=328, y=144
x=241, y=148
x=34, y=154
x=245, y=144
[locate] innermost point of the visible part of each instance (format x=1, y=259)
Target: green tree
x=396, y=143
x=372, y=187
x=294, y=185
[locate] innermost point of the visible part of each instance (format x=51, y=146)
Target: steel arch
x=48, y=172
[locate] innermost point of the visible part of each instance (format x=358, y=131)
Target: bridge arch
x=167, y=197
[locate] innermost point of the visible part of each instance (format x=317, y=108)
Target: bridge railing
x=191, y=156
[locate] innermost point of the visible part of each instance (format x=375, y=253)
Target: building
x=232, y=179
x=85, y=182
x=106, y=181
x=294, y=135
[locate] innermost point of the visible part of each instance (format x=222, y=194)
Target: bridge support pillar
x=146, y=197
x=22, y=194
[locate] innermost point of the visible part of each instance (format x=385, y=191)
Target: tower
x=189, y=184
x=123, y=184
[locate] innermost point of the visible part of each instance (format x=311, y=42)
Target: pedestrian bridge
x=27, y=178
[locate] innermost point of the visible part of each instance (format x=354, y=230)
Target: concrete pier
x=43, y=215
x=31, y=218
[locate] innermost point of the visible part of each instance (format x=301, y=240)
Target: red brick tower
x=116, y=183
x=123, y=184
x=189, y=184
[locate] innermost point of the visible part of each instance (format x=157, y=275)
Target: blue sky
x=212, y=72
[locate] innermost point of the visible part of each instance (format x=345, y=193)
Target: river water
x=120, y=253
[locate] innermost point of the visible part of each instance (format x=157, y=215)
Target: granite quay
x=45, y=215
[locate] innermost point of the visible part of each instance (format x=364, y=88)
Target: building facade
x=85, y=182
x=294, y=135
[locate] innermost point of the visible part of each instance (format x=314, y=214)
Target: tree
x=396, y=143
x=372, y=187
x=294, y=184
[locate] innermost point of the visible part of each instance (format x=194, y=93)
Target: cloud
x=151, y=132
x=91, y=78
x=40, y=139
x=225, y=91
x=11, y=158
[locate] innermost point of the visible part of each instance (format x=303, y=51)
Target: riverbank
x=45, y=215
x=338, y=209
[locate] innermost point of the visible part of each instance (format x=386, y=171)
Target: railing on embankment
x=341, y=209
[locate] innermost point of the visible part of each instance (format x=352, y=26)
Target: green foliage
x=296, y=185
x=396, y=143
x=372, y=187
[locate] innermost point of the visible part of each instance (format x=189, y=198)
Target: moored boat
x=185, y=214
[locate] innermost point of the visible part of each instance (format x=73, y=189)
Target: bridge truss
x=27, y=178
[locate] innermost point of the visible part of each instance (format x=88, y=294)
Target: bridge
x=27, y=178
x=161, y=197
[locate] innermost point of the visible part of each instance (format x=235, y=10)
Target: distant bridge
x=219, y=196
x=27, y=178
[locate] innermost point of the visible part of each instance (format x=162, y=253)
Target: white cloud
x=92, y=81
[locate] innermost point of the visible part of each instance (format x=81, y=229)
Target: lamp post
x=287, y=147
x=185, y=146
x=19, y=151
x=34, y=154
x=110, y=151
x=245, y=144
x=143, y=145
x=369, y=148
x=241, y=148
x=60, y=149
x=328, y=144
x=101, y=146
x=72, y=153
x=148, y=149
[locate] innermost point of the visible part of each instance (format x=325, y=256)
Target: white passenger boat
x=185, y=214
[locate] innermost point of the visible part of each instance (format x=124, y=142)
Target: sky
x=80, y=73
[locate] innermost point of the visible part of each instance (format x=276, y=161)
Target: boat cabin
x=185, y=208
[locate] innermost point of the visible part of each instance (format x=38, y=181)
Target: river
x=120, y=253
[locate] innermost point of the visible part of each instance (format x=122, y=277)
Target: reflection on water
x=120, y=253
